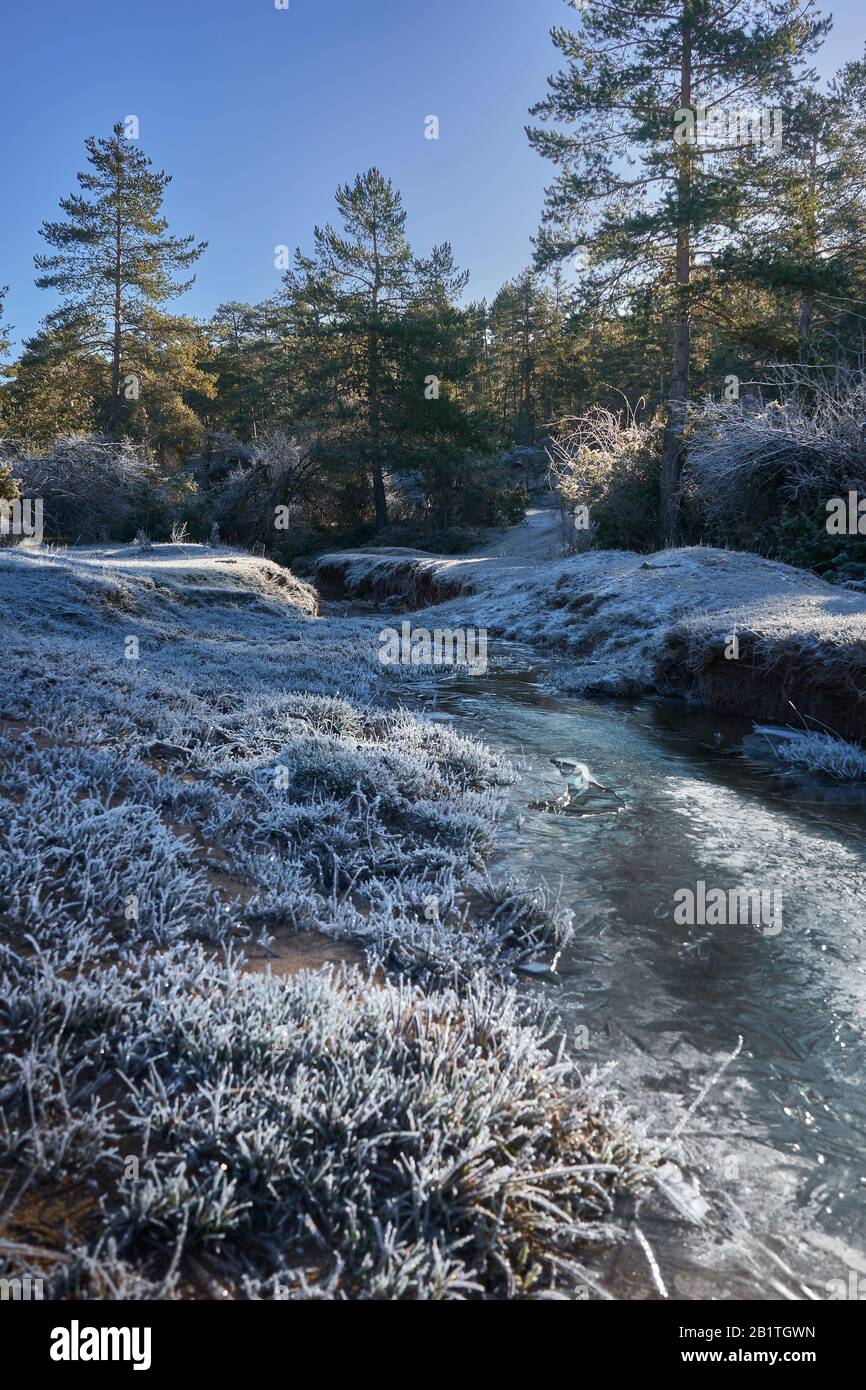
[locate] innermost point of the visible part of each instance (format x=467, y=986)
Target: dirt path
x=419, y=579
x=534, y=540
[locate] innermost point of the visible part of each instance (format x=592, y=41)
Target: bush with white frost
x=811, y=439
x=92, y=489
x=823, y=754
x=759, y=474
x=275, y=484
x=608, y=464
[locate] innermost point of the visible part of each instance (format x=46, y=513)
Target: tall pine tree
x=645, y=202
x=803, y=237
x=367, y=317
x=5, y=341
x=114, y=264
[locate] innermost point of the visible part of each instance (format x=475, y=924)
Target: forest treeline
x=691, y=288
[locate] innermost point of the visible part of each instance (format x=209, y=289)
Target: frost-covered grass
x=809, y=443
x=823, y=754
x=406, y=1131
x=219, y=786
x=362, y=836
x=318, y=1137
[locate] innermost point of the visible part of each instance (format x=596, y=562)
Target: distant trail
x=536, y=539
x=421, y=578
x=513, y=556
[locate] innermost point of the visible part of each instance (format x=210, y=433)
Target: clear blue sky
x=259, y=113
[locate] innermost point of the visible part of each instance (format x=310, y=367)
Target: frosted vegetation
x=312, y=1137
x=809, y=443
x=90, y=487
x=822, y=754
x=224, y=745
x=402, y=1133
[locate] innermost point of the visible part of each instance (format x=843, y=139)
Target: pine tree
x=258, y=366
x=114, y=264
x=804, y=236
x=433, y=426
x=367, y=316
x=632, y=70
x=55, y=388
x=352, y=289
x=514, y=323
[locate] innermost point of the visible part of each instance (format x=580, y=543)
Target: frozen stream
x=775, y=1203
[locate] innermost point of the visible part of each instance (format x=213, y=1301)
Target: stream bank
x=729, y=630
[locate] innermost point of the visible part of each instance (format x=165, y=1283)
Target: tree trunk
x=526, y=371
x=804, y=327
x=375, y=427
x=116, y=344
x=673, y=440
x=373, y=408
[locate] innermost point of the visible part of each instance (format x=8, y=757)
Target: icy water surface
x=775, y=1201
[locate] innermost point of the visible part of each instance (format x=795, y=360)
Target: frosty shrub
x=825, y=755
x=609, y=464
x=760, y=473
x=92, y=489
x=281, y=473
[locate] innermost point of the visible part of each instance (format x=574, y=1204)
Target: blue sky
x=259, y=113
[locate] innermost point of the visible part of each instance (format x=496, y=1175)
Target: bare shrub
x=91, y=488
x=806, y=446
x=281, y=473
x=608, y=463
